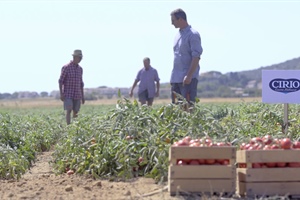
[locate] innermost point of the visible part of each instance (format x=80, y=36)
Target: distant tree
x=44, y=94
x=15, y=95
x=6, y=95
x=90, y=96
x=223, y=91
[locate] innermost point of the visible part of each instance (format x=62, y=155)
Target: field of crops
x=118, y=142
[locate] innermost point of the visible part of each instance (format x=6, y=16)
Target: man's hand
x=131, y=93
x=157, y=94
x=62, y=97
x=83, y=100
x=187, y=80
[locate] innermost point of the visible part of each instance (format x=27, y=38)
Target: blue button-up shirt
x=147, y=80
x=187, y=44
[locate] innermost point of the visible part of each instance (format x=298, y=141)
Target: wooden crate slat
x=268, y=174
x=202, y=185
x=173, y=161
x=187, y=152
x=274, y=155
x=202, y=171
x=268, y=188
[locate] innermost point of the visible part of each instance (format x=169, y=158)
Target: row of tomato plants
x=132, y=137
x=22, y=137
x=129, y=137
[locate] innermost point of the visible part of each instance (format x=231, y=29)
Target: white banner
x=281, y=86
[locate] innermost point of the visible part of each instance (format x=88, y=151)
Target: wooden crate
x=268, y=181
x=202, y=179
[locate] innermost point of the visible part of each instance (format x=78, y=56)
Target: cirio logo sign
x=281, y=86
x=285, y=85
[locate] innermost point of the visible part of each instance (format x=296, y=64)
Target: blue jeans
x=189, y=92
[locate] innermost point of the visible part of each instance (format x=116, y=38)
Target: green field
x=106, y=140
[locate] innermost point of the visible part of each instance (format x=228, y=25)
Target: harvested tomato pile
x=201, y=142
x=267, y=142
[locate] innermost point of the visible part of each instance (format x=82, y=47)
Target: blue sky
x=38, y=37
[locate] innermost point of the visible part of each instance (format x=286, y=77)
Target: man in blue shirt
x=187, y=51
x=147, y=77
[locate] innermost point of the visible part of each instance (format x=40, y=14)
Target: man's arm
x=60, y=83
x=196, y=49
x=133, y=86
x=194, y=65
x=157, y=88
x=60, y=92
x=82, y=92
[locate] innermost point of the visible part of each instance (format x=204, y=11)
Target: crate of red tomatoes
x=268, y=166
x=202, y=166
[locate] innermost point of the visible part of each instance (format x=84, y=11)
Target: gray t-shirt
x=147, y=80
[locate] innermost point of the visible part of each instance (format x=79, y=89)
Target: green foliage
x=21, y=138
x=151, y=131
x=107, y=141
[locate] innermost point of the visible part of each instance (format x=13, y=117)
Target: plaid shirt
x=71, y=80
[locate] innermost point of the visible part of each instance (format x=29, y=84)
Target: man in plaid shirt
x=71, y=86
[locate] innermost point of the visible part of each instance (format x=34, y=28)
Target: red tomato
x=195, y=144
x=187, y=139
x=181, y=162
x=228, y=144
x=182, y=143
x=256, y=165
x=267, y=139
x=281, y=164
x=286, y=143
x=221, y=144
x=141, y=159
x=257, y=146
x=251, y=148
x=220, y=161
x=201, y=161
x=296, y=145
x=206, y=140
x=186, y=160
x=128, y=137
x=225, y=162
x=210, y=161
x=256, y=140
x=275, y=146
x=270, y=165
x=242, y=165
x=194, y=162
x=242, y=146
x=263, y=165
x=135, y=169
x=247, y=146
x=70, y=172
x=276, y=141
x=294, y=164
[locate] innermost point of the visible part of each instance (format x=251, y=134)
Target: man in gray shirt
x=187, y=51
x=147, y=77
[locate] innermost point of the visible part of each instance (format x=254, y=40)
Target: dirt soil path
x=41, y=183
